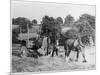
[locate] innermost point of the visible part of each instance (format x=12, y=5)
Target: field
x=56, y=63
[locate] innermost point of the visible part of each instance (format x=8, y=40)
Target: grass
x=47, y=63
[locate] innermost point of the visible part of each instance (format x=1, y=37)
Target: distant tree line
x=84, y=26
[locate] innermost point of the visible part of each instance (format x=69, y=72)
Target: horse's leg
x=83, y=54
x=68, y=52
x=84, y=57
x=77, y=56
x=65, y=52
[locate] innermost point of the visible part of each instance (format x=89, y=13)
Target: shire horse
x=74, y=44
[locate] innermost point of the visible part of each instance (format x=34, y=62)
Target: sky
x=36, y=10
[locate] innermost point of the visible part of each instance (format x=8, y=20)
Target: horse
x=74, y=45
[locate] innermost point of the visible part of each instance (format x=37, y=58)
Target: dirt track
x=47, y=63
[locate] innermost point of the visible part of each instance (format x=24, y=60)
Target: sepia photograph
x=52, y=37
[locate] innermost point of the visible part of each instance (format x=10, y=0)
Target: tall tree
x=60, y=20
x=86, y=27
x=34, y=21
x=89, y=18
x=69, y=20
x=49, y=24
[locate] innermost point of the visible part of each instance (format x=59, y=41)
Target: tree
x=86, y=28
x=60, y=20
x=69, y=20
x=34, y=21
x=91, y=22
x=22, y=22
x=89, y=18
x=87, y=24
x=50, y=25
x=13, y=21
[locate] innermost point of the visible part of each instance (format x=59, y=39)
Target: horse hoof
x=84, y=61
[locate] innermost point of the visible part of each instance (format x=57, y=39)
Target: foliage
x=59, y=20
x=69, y=20
x=49, y=25
x=89, y=18
x=86, y=27
x=34, y=21
x=22, y=22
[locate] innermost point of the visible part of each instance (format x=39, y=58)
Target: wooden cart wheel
x=24, y=51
